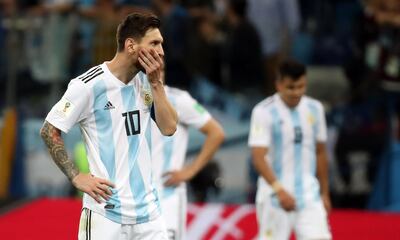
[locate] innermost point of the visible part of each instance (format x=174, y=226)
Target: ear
x=277, y=84
x=130, y=45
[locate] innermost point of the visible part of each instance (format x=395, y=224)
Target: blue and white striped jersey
x=169, y=153
x=115, y=122
x=290, y=134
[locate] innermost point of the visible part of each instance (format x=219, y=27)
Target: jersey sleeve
x=191, y=113
x=321, y=128
x=71, y=108
x=260, y=132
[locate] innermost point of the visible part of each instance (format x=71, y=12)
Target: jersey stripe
x=93, y=76
x=135, y=176
x=107, y=150
x=89, y=72
x=148, y=139
x=277, y=150
x=168, y=145
x=314, y=111
x=149, y=143
x=277, y=143
x=87, y=223
x=90, y=225
x=167, y=150
x=298, y=178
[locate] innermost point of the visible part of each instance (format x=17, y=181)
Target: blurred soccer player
x=287, y=140
x=169, y=155
x=113, y=104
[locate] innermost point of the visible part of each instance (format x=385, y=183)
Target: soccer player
x=287, y=140
x=114, y=103
x=169, y=156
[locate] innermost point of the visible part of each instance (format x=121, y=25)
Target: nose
x=160, y=51
x=297, y=93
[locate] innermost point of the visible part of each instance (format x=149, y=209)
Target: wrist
x=74, y=177
x=190, y=172
x=156, y=84
x=324, y=194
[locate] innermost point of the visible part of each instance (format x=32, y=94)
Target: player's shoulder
x=265, y=104
x=177, y=93
x=89, y=77
x=310, y=101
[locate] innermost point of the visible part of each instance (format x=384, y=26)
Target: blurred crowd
x=224, y=41
x=234, y=44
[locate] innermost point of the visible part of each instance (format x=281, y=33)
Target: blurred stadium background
x=223, y=54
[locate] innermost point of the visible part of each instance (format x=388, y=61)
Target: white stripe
x=203, y=221
x=227, y=226
x=145, y=165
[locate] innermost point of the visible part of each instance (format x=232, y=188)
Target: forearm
x=166, y=116
x=214, y=138
x=55, y=144
x=322, y=170
x=262, y=166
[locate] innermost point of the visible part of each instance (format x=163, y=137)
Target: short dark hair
x=135, y=26
x=239, y=7
x=291, y=68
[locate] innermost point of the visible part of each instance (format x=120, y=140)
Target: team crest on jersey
x=147, y=97
x=311, y=119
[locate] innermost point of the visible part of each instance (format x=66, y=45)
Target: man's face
x=151, y=40
x=291, y=91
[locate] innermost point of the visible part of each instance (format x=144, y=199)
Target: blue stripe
x=149, y=142
x=167, y=150
x=277, y=143
x=107, y=151
x=136, y=181
x=314, y=112
x=298, y=178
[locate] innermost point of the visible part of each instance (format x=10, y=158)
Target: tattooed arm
x=55, y=144
x=87, y=183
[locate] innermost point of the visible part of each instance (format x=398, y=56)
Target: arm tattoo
x=55, y=144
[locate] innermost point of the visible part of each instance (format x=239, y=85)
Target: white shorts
x=94, y=226
x=173, y=210
x=309, y=223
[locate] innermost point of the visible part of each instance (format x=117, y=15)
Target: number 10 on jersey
x=132, y=122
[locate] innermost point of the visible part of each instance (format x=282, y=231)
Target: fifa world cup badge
x=64, y=107
x=311, y=119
